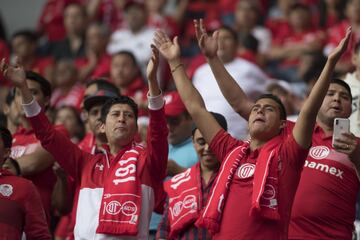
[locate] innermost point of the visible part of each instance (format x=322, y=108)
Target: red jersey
x=336, y=33
x=137, y=90
x=25, y=142
x=166, y=23
x=88, y=143
x=41, y=64
x=102, y=68
x=236, y=222
x=291, y=38
x=20, y=209
x=324, y=206
x=73, y=98
x=51, y=21
x=111, y=15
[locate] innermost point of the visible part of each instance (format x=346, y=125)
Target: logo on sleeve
x=246, y=170
x=6, y=190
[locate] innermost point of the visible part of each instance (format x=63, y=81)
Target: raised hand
x=15, y=73
x=170, y=50
x=341, y=47
x=207, y=44
x=153, y=64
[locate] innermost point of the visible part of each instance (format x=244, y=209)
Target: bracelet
x=177, y=66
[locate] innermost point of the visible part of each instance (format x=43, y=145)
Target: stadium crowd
x=191, y=119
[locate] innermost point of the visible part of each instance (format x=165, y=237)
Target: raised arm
x=305, y=123
x=188, y=93
x=157, y=144
x=69, y=156
x=232, y=92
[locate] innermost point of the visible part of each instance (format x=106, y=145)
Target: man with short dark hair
x=121, y=187
x=188, y=192
x=260, y=176
x=20, y=204
x=251, y=77
x=94, y=139
x=136, y=37
x=320, y=209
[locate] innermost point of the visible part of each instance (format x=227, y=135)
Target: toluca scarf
x=265, y=182
x=185, y=198
x=121, y=201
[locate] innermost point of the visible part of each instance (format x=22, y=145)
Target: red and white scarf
x=121, y=202
x=265, y=177
x=185, y=198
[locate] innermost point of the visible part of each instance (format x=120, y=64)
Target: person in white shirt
x=250, y=77
x=136, y=37
x=353, y=80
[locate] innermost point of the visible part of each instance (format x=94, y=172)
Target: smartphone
x=341, y=125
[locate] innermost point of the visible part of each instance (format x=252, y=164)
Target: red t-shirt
x=51, y=21
x=73, y=98
x=336, y=33
x=236, y=222
x=137, y=90
x=25, y=142
x=20, y=209
x=291, y=38
x=102, y=68
x=166, y=23
x=110, y=15
x=324, y=206
x=41, y=64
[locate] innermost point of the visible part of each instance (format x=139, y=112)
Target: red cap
x=173, y=104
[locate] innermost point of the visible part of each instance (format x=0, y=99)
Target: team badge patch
x=6, y=190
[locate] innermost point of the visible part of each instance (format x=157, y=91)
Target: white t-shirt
x=137, y=43
x=250, y=78
x=354, y=84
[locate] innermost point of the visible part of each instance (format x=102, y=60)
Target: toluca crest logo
x=246, y=170
x=6, y=190
x=128, y=208
x=319, y=152
x=113, y=207
x=189, y=203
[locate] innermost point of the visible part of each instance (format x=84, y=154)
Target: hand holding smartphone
x=341, y=125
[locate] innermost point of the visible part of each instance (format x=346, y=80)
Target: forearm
x=69, y=156
x=189, y=94
x=26, y=95
x=157, y=145
x=232, y=92
x=86, y=71
x=154, y=89
x=178, y=15
x=92, y=7
x=314, y=101
x=307, y=117
x=36, y=162
x=61, y=196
